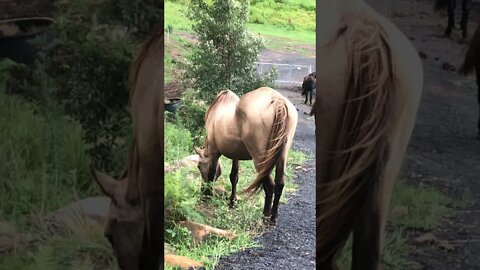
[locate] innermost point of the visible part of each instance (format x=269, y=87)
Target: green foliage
x=191, y=116
x=90, y=61
x=178, y=140
x=43, y=163
x=225, y=54
x=181, y=198
x=140, y=16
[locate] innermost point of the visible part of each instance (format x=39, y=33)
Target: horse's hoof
x=232, y=205
x=272, y=223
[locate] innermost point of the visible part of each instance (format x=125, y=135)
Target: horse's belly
x=235, y=151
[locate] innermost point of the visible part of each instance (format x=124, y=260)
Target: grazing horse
x=472, y=61
x=451, y=5
x=370, y=81
x=308, y=85
x=135, y=221
x=258, y=126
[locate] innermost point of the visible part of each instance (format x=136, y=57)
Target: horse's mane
x=134, y=71
x=156, y=35
x=222, y=96
x=358, y=158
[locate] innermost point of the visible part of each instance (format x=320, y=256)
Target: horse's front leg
x=451, y=18
x=234, y=181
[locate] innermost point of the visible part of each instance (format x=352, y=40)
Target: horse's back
x=258, y=103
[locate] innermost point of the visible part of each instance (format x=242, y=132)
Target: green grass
x=412, y=209
x=272, y=32
x=182, y=201
x=42, y=157
x=43, y=166
x=293, y=20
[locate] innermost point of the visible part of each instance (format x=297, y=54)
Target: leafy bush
x=225, y=54
x=140, y=16
x=191, y=116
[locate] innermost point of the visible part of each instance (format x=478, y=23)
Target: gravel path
x=291, y=244
x=443, y=151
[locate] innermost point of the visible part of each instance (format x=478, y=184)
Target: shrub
x=225, y=55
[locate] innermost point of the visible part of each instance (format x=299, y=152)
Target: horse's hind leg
x=268, y=188
x=367, y=236
x=311, y=93
x=279, y=184
x=464, y=22
x=234, y=181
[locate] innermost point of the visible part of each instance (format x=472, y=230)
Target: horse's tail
x=472, y=55
x=358, y=160
x=276, y=144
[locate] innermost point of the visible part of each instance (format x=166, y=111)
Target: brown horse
x=259, y=126
x=135, y=225
x=308, y=86
x=451, y=5
x=370, y=81
x=471, y=62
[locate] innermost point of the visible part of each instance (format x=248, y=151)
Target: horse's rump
x=277, y=141
x=358, y=158
x=308, y=84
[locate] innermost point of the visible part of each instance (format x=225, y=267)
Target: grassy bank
x=182, y=201
x=44, y=167
x=293, y=20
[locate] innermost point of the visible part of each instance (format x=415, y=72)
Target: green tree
x=225, y=53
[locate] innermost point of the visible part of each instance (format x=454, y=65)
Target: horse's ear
x=106, y=182
x=199, y=151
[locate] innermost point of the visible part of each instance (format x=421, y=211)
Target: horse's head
x=208, y=165
x=125, y=224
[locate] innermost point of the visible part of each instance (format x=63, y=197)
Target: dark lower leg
x=234, y=181
x=268, y=188
x=464, y=21
x=279, y=184
x=451, y=19
x=311, y=93
x=477, y=71
x=330, y=262
x=366, y=239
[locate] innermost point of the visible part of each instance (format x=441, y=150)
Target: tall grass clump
x=43, y=163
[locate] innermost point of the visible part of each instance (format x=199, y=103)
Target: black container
x=22, y=38
x=172, y=105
